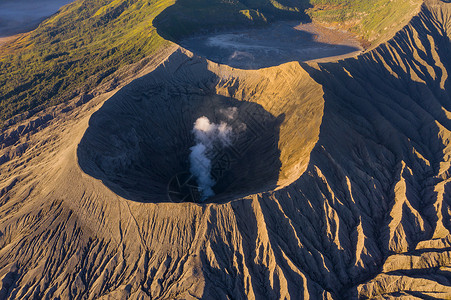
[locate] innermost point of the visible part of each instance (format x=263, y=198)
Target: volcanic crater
x=139, y=142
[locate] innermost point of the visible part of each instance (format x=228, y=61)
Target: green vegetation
x=75, y=50
x=88, y=41
x=370, y=19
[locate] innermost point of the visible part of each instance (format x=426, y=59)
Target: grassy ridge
x=372, y=20
x=75, y=50
x=89, y=40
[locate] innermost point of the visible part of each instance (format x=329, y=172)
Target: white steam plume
x=230, y=113
x=207, y=135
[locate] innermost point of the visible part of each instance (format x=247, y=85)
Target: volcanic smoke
x=208, y=137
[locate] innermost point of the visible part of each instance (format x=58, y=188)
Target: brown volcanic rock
x=360, y=206
x=90, y=240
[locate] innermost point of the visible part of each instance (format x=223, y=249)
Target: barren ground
x=362, y=207
x=273, y=45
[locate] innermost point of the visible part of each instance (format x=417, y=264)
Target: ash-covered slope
x=108, y=228
x=361, y=208
x=141, y=137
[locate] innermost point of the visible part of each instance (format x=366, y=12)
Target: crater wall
x=139, y=142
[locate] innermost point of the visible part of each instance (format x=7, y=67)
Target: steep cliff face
x=360, y=207
x=395, y=100
x=382, y=161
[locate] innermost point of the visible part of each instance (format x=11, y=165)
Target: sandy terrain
x=279, y=43
x=362, y=208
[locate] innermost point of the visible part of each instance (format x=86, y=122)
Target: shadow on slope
x=249, y=38
x=375, y=176
x=139, y=142
x=188, y=17
x=272, y=45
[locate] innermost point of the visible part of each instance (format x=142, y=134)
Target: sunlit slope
x=367, y=215
x=88, y=41
x=374, y=21
x=382, y=163
x=75, y=50
x=88, y=235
